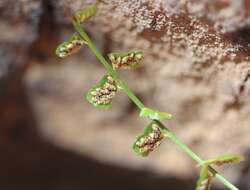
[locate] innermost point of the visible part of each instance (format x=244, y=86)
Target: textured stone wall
x=196, y=66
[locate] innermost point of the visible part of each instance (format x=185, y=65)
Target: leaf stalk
x=140, y=105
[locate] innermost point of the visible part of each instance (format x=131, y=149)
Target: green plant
x=101, y=95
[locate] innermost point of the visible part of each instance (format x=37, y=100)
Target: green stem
x=195, y=157
x=139, y=104
x=110, y=70
x=169, y=134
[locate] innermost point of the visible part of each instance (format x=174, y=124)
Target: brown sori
x=103, y=95
x=70, y=46
x=125, y=60
x=148, y=142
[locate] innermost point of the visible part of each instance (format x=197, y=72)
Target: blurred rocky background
x=196, y=66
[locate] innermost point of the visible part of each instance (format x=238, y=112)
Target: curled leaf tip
x=69, y=47
x=83, y=15
x=153, y=114
x=102, y=93
x=151, y=138
x=126, y=60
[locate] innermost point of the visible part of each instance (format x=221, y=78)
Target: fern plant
x=102, y=94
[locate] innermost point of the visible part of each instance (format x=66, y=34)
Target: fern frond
x=150, y=139
x=83, y=15
x=126, y=60
x=225, y=159
x=153, y=114
x=205, y=178
x=71, y=46
x=101, y=94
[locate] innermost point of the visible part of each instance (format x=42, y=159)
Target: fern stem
x=140, y=105
x=110, y=70
x=177, y=141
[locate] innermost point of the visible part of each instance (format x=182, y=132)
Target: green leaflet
x=204, y=181
x=126, y=60
x=150, y=139
x=85, y=14
x=206, y=176
x=153, y=114
x=225, y=159
x=101, y=94
x=69, y=47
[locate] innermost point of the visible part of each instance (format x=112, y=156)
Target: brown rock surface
x=196, y=67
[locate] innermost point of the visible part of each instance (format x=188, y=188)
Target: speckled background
x=196, y=66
